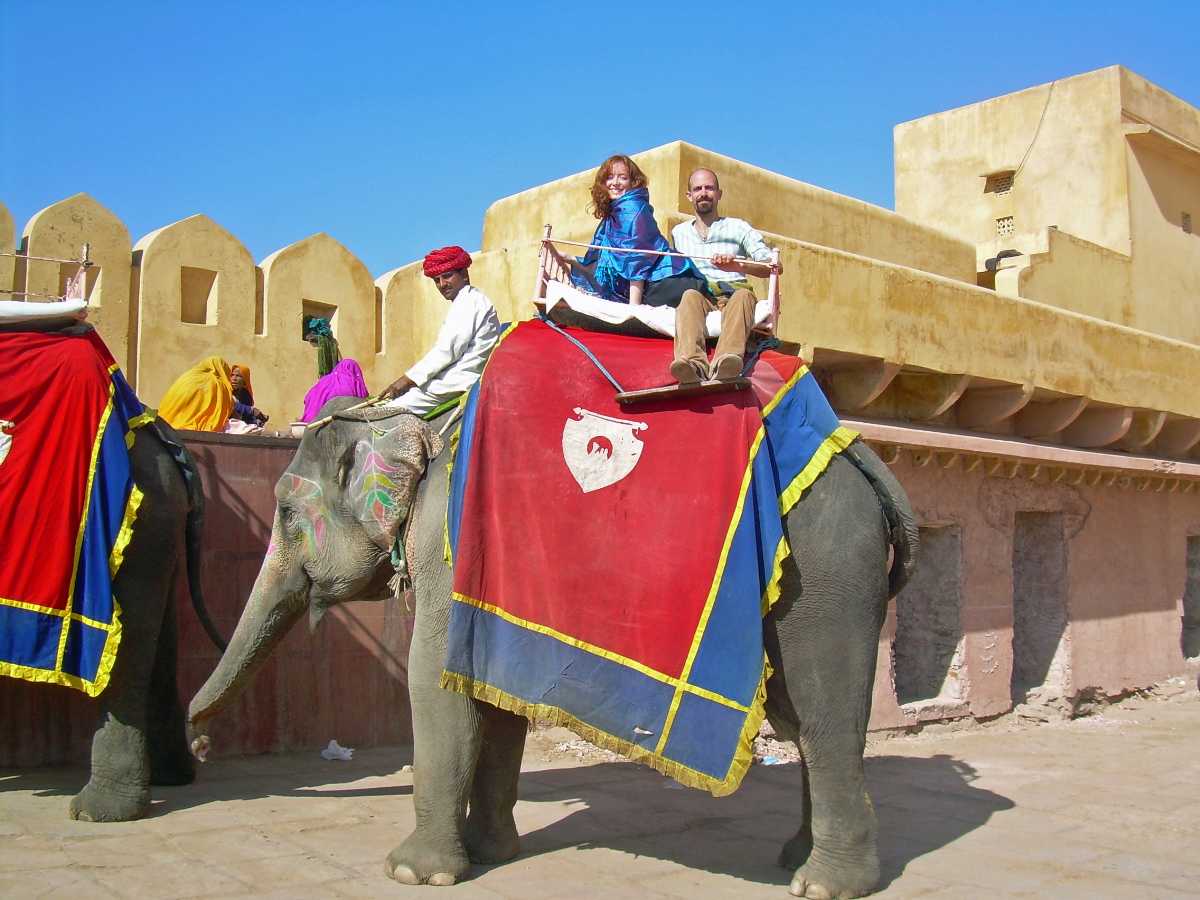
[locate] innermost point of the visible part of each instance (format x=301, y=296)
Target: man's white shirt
x=726, y=235
x=466, y=338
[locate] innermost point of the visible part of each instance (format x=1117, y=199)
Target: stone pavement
x=1104, y=806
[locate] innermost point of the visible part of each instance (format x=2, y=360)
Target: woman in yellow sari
x=201, y=399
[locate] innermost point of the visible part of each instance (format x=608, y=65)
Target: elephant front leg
x=491, y=833
x=447, y=729
x=446, y=735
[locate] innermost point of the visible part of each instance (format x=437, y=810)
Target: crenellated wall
x=191, y=289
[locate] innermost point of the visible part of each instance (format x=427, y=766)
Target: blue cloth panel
x=458, y=475
x=538, y=668
x=704, y=735
x=729, y=661
x=106, y=509
x=84, y=647
x=28, y=638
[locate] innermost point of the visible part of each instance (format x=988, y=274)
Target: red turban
x=446, y=259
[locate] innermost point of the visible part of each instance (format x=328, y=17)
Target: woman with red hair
x=621, y=201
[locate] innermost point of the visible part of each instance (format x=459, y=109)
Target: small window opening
x=1186, y=222
x=999, y=183
x=197, y=296
x=1004, y=226
x=67, y=271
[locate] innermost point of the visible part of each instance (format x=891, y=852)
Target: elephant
x=140, y=739
x=854, y=543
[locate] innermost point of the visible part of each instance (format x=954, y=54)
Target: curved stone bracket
x=853, y=387
x=1099, y=427
x=984, y=407
x=1048, y=417
x=1144, y=428
x=926, y=395
x=1178, y=437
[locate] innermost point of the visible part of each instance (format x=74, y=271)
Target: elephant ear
x=381, y=482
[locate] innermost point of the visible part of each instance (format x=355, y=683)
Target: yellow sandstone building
x=1020, y=338
x=1039, y=276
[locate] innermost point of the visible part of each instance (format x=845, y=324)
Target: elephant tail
x=195, y=526
x=902, y=524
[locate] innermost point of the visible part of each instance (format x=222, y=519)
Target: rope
x=757, y=262
x=586, y=352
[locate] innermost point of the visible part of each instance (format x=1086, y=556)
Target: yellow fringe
x=125, y=534
x=137, y=422
x=839, y=439
x=685, y=775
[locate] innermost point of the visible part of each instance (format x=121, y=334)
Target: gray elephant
x=140, y=739
x=329, y=546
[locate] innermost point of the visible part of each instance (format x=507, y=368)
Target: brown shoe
x=686, y=372
x=728, y=366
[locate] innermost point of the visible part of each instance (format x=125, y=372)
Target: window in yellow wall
x=197, y=296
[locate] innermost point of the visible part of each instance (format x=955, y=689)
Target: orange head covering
x=245, y=370
x=201, y=399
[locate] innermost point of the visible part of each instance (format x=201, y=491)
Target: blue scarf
x=630, y=224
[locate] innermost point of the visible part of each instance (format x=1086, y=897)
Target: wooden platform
x=671, y=391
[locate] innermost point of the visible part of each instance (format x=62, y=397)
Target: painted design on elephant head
x=309, y=513
x=6, y=439
x=376, y=495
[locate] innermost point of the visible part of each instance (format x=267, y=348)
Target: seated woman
x=243, y=397
x=201, y=399
x=346, y=380
x=621, y=201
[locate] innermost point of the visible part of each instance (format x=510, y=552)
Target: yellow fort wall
x=60, y=231
x=1105, y=157
x=1080, y=326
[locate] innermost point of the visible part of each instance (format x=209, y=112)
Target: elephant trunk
x=279, y=598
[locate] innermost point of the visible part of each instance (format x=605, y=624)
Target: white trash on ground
x=337, y=751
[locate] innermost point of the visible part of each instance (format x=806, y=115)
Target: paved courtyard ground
x=1102, y=806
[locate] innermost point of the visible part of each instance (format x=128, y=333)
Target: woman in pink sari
x=346, y=380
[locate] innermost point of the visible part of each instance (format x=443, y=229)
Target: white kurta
x=456, y=359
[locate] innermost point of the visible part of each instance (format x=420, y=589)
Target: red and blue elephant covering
x=67, y=505
x=612, y=565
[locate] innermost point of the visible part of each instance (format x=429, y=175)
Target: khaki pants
x=737, y=318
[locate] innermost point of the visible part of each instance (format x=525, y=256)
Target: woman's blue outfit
x=630, y=225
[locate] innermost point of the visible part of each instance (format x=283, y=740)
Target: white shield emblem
x=600, y=450
x=5, y=439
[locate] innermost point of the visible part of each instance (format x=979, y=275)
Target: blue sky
x=392, y=126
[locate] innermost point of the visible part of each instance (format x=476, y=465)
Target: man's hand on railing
x=729, y=263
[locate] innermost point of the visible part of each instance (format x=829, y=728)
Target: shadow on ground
x=922, y=804
x=609, y=809
x=299, y=774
